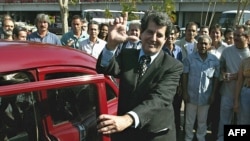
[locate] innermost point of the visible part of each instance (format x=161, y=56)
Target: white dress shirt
x=91, y=48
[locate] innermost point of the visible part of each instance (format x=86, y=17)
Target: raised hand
x=117, y=31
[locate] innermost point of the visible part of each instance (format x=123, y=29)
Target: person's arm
x=117, y=35
x=106, y=56
x=184, y=87
x=216, y=80
x=184, y=80
x=223, y=68
x=63, y=40
x=215, y=87
x=238, y=87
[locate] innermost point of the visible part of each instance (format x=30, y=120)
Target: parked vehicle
x=227, y=18
x=52, y=93
x=106, y=16
x=56, y=28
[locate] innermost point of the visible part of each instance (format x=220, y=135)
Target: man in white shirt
x=188, y=43
x=92, y=45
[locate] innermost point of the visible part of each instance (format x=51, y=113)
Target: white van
x=227, y=18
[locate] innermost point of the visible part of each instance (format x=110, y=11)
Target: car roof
x=16, y=55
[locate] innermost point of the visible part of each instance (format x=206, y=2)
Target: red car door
x=61, y=109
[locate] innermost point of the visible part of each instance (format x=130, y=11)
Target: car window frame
x=97, y=79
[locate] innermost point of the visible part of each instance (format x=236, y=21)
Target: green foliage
x=108, y=14
x=169, y=7
x=73, y=2
x=126, y=7
x=157, y=7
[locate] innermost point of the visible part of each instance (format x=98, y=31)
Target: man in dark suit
x=145, y=111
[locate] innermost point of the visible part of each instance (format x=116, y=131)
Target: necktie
x=143, y=62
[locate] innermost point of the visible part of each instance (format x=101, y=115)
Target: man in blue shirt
x=76, y=35
x=175, y=51
x=42, y=34
x=200, y=80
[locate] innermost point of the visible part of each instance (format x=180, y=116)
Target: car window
x=76, y=104
x=16, y=77
x=72, y=103
x=62, y=75
x=19, y=117
x=18, y=112
x=110, y=93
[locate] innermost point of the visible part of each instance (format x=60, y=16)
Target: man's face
x=240, y=40
x=171, y=38
x=191, y=33
x=93, y=30
x=8, y=27
x=248, y=23
x=153, y=38
x=84, y=26
x=22, y=36
x=216, y=35
x=42, y=25
x=229, y=38
x=203, y=45
x=134, y=30
x=76, y=25
x=204, y=31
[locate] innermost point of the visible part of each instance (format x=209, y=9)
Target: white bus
x=227, y=18
x=99, y=15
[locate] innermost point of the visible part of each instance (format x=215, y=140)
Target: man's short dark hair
x=216, y=26
x=76, y=17
x=159, y=18
x=93, y=22
x=17, y=29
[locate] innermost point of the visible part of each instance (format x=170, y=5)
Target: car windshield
x=227, y=19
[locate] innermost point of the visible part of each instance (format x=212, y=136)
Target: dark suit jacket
x=151, y=98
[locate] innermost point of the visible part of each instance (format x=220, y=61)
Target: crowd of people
x=208, y=70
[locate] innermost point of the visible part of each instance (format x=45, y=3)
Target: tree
x=168, y=7
x=241, y=6
x=127, y=7
x=64, y=11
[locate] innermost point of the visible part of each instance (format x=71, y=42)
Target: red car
x=52, y=93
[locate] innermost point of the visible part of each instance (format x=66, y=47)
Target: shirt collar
x=97, y=41
x=152, y=56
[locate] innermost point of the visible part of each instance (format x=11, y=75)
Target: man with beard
x=42, y=34
x=8, y=26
